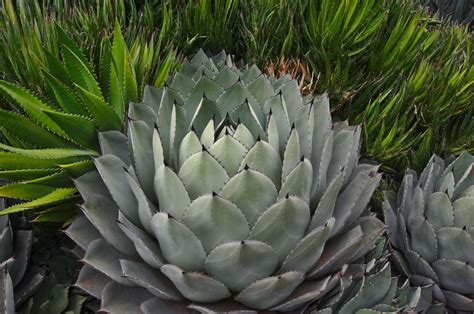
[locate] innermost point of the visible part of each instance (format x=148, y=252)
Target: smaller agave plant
x=370, y=288
x=229, y=192
x=431, y=228
x=18, y=282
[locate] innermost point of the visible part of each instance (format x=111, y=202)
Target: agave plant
x=18, y=282
x=52, y=140
x=237, y=193
x=431, y=228
x=368, y=287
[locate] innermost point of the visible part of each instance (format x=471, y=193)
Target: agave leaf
x=263, y=158
x=32, y=106
x=150, y=279
x=146, y=209
x=229, y=152
x=189, y=146
x=170, y=192
x=215, y=220
x=27, y=131
x=456, y=244
x=64, y=96
x=179, y=245
x=80, y=129
x=298, y=182
x=103, y=213
x=202, y=174
x=238, y=264
x=455, y=275
x=292, y=155
x=252, y=192
x=24, y=191
x=463, y=212
x=104, y=258
x=307, y=252
x=26, y=174
x=146, y=246
x=439, y=210
x=120, y=298
x=115, y=143
x=103, y=115
x=270, y=291
x=57, y=195
x=48, y=153
x=195, y=286
x=80, y=73
x=112, y=171
x=6, y=292
x=140, y=138
x=290, y=214
x=143, y=112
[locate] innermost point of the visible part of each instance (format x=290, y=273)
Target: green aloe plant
x=226, y=185
x=52, y=139
x=431, y=229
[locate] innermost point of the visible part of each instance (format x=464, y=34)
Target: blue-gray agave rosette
x=229, y=192
x=18, y=281
x=431, y=228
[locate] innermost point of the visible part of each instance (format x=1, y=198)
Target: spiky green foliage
x=235, y=188
x=431, y=229
x=18, y=281
x=52, y=139
x=407, y=76
x=28, y=26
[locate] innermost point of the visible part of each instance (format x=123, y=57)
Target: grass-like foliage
x=406, y=76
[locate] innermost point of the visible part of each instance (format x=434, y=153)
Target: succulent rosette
x=18, y=281
x=431, y=228
x=228, y=192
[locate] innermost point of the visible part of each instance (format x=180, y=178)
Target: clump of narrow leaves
x=237, y=193
x=52, y=139
x=431, y=229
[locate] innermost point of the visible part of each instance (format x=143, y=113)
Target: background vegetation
x=405, y=74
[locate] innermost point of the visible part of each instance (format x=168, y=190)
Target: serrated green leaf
x=103, y=115
x=80, y=73
x=25, y=174
x=31, y=105
x=29, y=132
x=81, y=129
x=59, y=213
x=55, y=196
x=24, y=191
x=78, y=168
x=65, y=98
x=48, y=153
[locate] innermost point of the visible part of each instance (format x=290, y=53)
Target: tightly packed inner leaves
x=431, y=228
x=228, y=190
